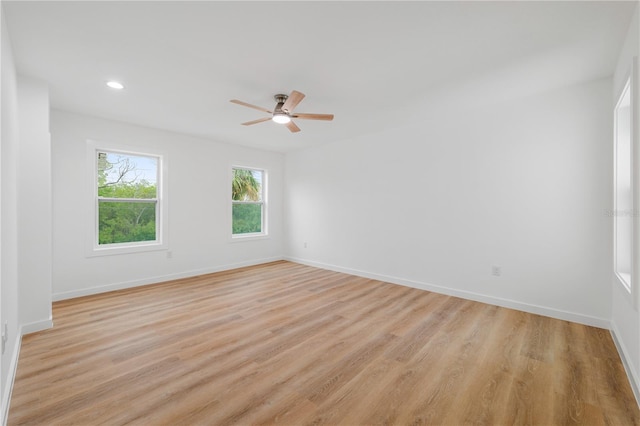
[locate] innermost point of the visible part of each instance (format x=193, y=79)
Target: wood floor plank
x=284, y=343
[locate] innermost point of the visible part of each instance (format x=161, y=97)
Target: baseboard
x=632, y=374
x=11, y=376
x=506, y=303
x=34, y=327
x=158, y=279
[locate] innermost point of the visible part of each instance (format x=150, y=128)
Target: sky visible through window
x=144, y=167
x=257, y=175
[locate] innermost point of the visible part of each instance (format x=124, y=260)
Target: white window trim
x=234, y=238
x=624, y=279
x=631, y=288
x=161, y=243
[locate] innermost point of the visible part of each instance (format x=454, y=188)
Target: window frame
x=630, y=285
x=264, y=234
x=161, y=201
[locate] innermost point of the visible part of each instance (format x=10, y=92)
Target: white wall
x=625, y=318
x=34, y=206
x=519, y=183
x=199, y=207
x=25, y=211
x=8, y=215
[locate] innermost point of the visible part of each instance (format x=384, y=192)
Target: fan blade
x=326, y=117
x=293, y=100
x=235, y=101
x=259, y=120
x=292, y=127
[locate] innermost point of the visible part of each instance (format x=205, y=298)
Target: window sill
x=625, y=280
x=248, y=237
x=126, y=249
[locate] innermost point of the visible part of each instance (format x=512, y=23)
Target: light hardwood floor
x=290, y=344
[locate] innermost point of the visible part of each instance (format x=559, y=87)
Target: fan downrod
x=280, y=98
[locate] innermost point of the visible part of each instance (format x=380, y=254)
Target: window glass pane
x=247, y=218
x=125, y=222
x=623, y=196
x=126, y=175
x=246, y=185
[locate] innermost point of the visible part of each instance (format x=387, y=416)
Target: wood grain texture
x=283, y=343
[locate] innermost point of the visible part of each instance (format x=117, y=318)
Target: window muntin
x=248, y=216
x=127, y=199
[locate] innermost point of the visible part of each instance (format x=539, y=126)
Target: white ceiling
x=372, y=64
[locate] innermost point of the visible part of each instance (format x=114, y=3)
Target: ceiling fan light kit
x=281, y=118
x=283, y=112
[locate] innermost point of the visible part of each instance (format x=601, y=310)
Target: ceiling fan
x=283, y=112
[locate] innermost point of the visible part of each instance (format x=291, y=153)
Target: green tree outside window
x=247, y=201
x=127, y=198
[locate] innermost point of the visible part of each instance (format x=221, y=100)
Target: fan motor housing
x=280, y=99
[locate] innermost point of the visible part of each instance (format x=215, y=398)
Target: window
x=623, y=188
x=128, y=202
x=248, y=202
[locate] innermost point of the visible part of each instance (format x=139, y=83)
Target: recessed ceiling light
x=115, y=85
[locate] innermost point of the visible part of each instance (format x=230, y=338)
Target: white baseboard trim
x=13, y=364
x=158, y=279
x=36, y=326
x=11, y=376
x=632, y=374
x=505, y=303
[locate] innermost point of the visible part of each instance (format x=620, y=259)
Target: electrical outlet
x=169, y=255
x=305, y=244
x=496, y=271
